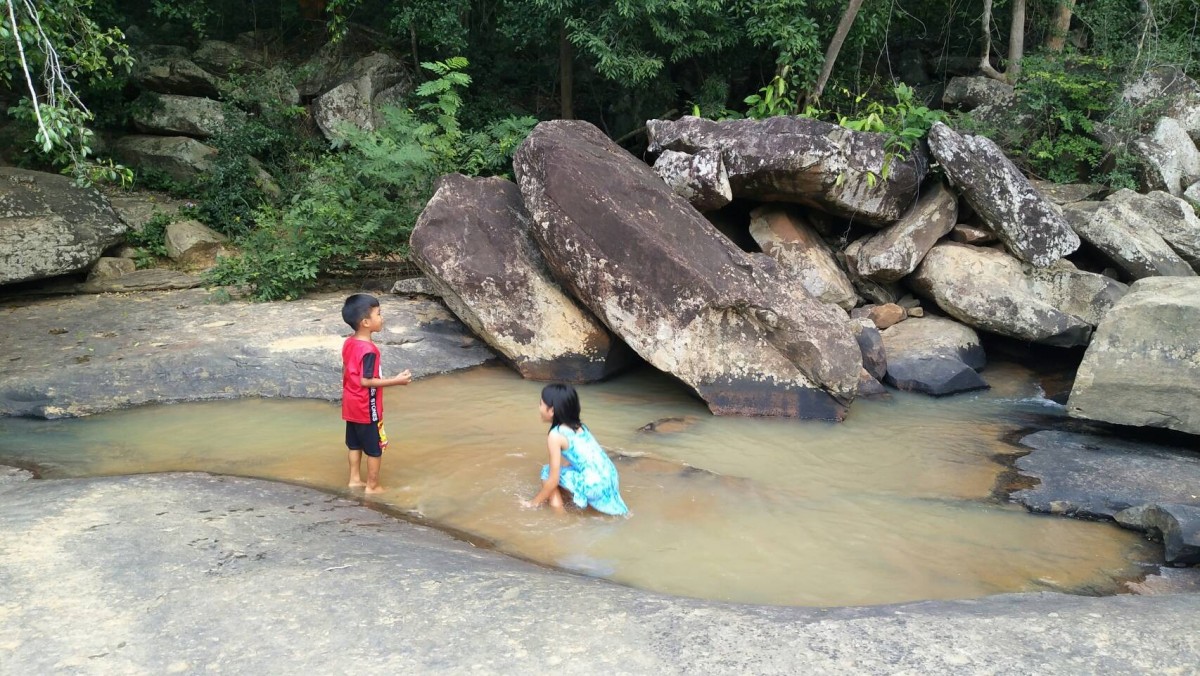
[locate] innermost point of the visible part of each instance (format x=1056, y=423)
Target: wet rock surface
x=1094, y=476
x=80, y=355
x=230, y=574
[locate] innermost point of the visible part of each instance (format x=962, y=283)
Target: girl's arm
x=554, y=445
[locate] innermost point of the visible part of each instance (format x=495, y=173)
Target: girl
x=577, y=463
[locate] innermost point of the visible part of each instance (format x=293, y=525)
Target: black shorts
x=366, y=437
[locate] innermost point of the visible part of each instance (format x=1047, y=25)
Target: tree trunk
x=1060, y=24
x=835, y=46
x=1016, y=43
x=566, y=75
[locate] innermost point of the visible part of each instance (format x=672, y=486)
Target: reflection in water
x=891, y=505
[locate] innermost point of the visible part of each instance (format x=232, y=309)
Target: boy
x=362, y=400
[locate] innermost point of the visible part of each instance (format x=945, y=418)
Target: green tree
x=47, y=48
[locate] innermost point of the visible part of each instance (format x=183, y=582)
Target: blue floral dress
x=590, y=475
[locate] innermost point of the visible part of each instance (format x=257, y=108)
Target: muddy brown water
x=894, y=504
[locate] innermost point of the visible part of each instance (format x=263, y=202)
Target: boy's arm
x=403, y=378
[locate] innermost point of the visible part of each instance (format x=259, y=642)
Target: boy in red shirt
x=362, y=399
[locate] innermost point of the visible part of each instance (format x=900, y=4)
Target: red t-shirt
x=360, y=359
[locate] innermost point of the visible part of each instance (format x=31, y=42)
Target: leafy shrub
x=364, y=201
x=1050, y=129
x=151, y=239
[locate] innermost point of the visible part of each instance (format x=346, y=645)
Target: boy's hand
x=404, y=377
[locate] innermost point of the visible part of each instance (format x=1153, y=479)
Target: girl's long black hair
x=565, y=402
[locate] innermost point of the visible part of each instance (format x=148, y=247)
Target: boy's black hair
x=565, y=402
x=357, y=308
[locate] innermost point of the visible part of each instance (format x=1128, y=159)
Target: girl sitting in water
x=577, y=462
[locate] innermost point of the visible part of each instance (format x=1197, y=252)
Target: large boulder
x=782, y=234
x=677, y=291
x=934, y=356
x=1028, y=224
x=175, y=75
x=699, y=179
x=797, y=159
x=174, y=115
x=1169, y=90
x=50, y=226
x=1172, y=218
x=473, y=243
x=1143, y=365
x=223, y=58
x=374, y=81
x=1123, y=228
x=971, y=92
x=180, y=157
x=895, y=251
x=1167, y=158
x=990, y=290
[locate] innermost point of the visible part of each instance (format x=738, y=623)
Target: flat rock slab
x=1093, y=476
x=191, y=572
x=79, y=355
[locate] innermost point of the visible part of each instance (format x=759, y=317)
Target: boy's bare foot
x=356, y=484
x=376, y=489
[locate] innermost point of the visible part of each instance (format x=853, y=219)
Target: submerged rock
x=1097, y=477
x=674, y=289
x=473, y=243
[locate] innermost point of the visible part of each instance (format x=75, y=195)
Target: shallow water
x=891, y=505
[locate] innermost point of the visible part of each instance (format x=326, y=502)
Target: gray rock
x=137, y=210
x=473, y=243
x=782, y=234
x=934, y=356
x=374, y=81
x=1122, y=228
x=1171, y=217
x=1169, y=90
x=111, y=268
x=972, y=234
x=968, y=93
x=1168, y=158
x=1179, y=528
x=151, y=279
x=49, y=226
x=167, y=588
x=189, y=239
x=796, y=159
x=183, y=159
x=126, y=351
x=175, y=75
x=1069, y=193
x=870, y=341
x=700, y=179
x=1023, y=219
x=897, y=250
x=415, y=286
x=993, y=291
x=174, y=115
x=674, y=289
x=224, y=58
x=1092, y=476
x=1142, y=367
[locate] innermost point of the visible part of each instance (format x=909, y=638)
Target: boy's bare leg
x=373, y=464
x=355, y=460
